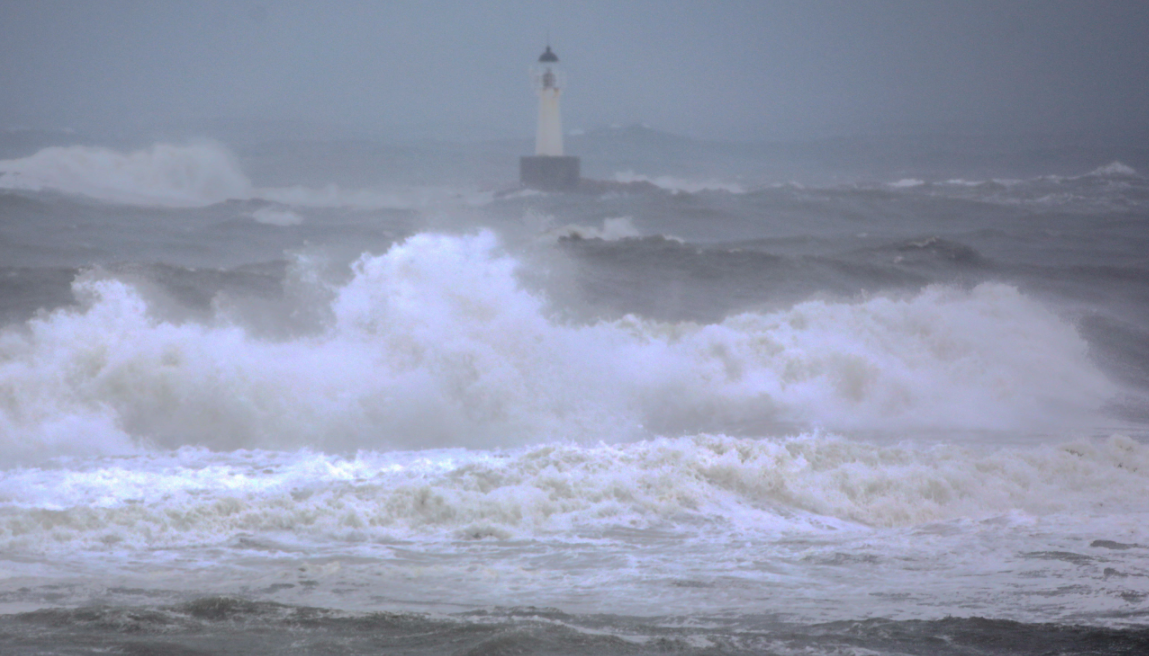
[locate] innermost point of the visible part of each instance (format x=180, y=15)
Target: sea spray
x=865, y=404
x=710, y=484
x=165, y=175
x=199, y=174
x=436, y=344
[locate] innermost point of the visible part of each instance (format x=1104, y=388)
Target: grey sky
x=712, y=69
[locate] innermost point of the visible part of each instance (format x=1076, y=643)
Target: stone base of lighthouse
x=549, y=173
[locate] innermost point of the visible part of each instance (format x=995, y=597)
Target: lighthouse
x=549, y=168
x=548, y=85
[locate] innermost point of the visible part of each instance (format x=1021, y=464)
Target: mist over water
x=844, y=349
x=721, y=408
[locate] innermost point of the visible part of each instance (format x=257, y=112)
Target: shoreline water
x=723, y=415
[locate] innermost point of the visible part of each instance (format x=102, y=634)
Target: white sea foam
x=1114, y=187
x=164, y=175
x=436, y=344
x=1114, y=169
x=907, y=183
x=197, y=175
x=276, y=216
x=678, y=185
x=717, y=485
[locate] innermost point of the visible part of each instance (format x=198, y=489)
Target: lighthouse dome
x=548, y=56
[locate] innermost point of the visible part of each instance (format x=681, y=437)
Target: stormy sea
x=287, y=395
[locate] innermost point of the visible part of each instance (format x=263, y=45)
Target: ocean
x=869, y=395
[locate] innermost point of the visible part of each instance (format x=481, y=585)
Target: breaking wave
x=678, y=185
x=1114, y=169
x=809, y=482
x=436, y=344
x=164, y=175
x=195, y=175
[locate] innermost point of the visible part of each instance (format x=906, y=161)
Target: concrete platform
x=549, y=173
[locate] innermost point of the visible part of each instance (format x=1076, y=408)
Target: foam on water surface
x=164, y=175
x=712, y=484
x=440, y=435
x=678, y=185
x=815, y=520
x=495, y=453
x=198, y=175
x=437, y=344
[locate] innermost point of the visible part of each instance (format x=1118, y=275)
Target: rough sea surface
x=880, y=396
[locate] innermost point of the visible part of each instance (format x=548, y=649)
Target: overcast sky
x=714, y=69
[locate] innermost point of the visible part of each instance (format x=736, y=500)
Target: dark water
x=854, y=396
x=220, y=625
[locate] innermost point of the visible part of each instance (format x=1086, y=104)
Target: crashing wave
x=436, y=344
x=195, y=175
x=164, y=175
x=678, y=185
x=1114, y=169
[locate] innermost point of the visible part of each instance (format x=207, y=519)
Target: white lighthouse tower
x=549, y=82
x=549, y=168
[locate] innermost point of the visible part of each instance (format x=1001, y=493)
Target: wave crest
x=1114, y=169
x=435, y=344
x=716, y=486
x=193, y=175
x=678, y=185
